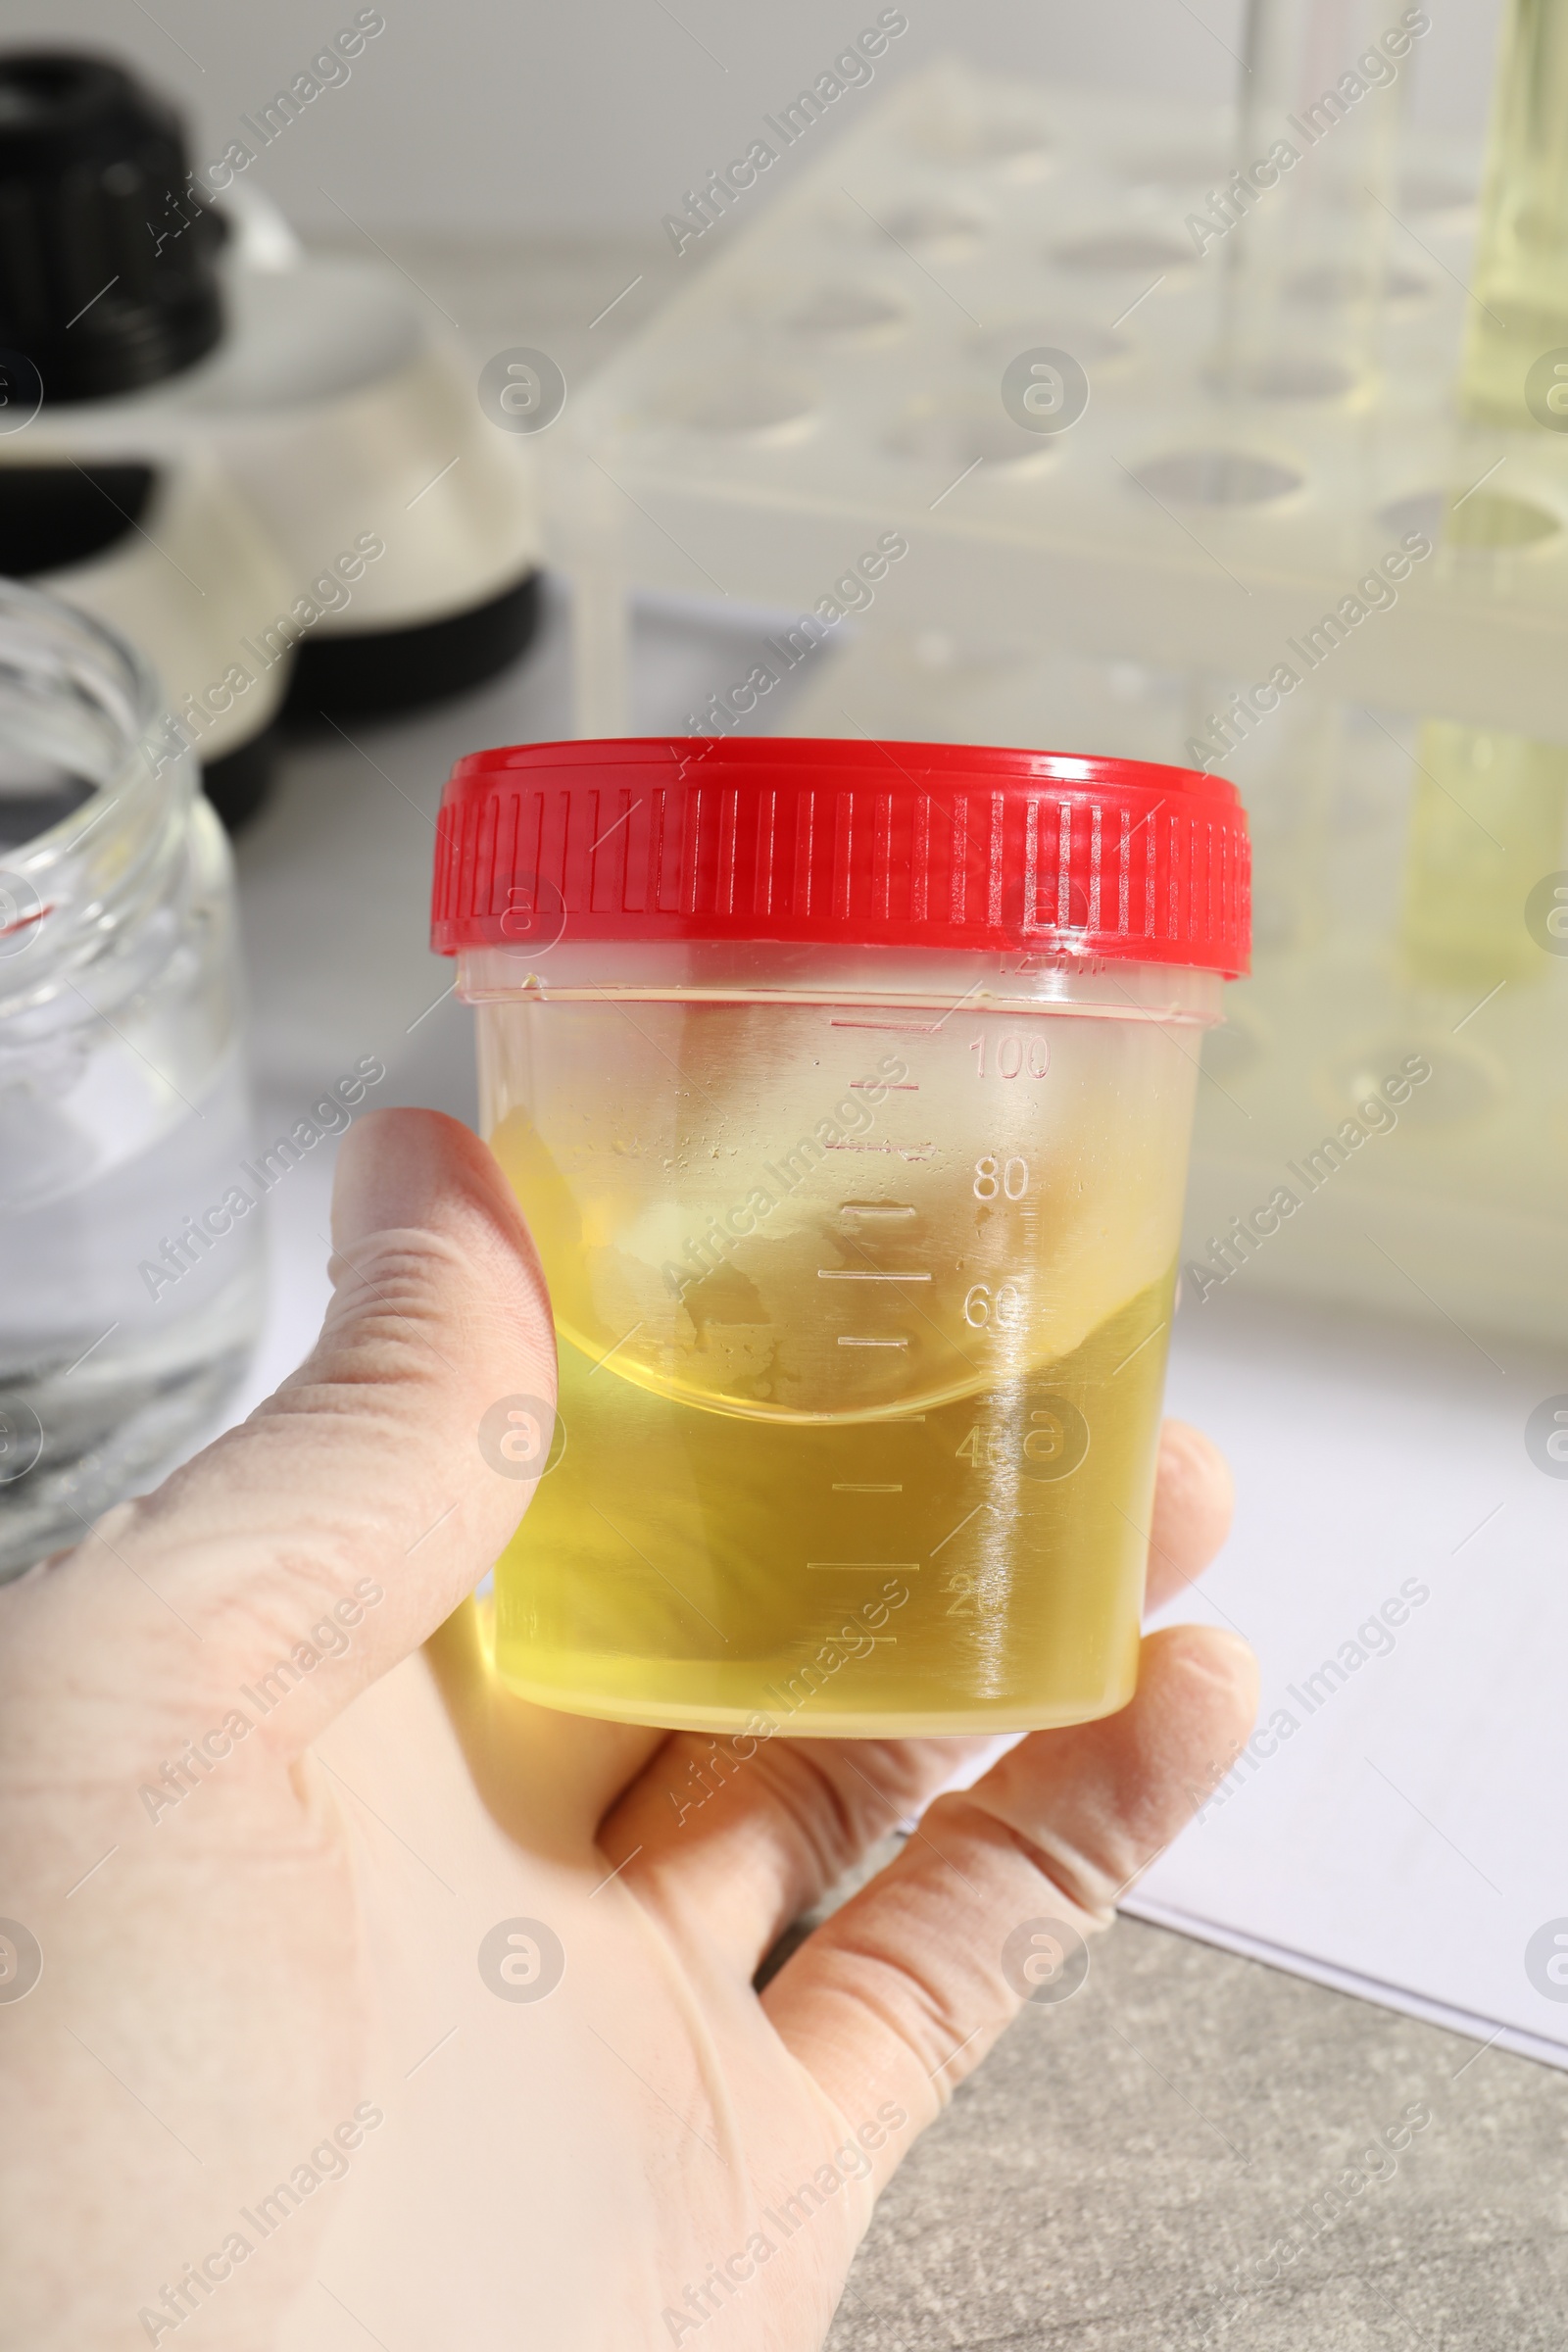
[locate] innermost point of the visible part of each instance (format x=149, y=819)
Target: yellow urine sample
x=882, y=1464
x=975, y=1565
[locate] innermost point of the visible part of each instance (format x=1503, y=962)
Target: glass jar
x=131, y=1263
x=846, y=1089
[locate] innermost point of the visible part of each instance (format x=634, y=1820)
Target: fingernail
x=1219, y=1636
x=1221, y=1656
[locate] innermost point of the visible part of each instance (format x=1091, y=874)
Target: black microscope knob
x=108, y=255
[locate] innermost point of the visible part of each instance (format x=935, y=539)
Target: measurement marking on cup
x=843, y=1486
x=907, y=1028
x=904, y=1567
x=848, y=1342
x=863, y=1274
x=876, y=1208
x=905, y=1152
x=912, y=1086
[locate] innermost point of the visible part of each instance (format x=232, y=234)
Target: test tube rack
x=834, y=373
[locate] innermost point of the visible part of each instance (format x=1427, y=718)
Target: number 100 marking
x=1013, y=1055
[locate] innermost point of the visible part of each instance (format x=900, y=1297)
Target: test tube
x=1488, y=811
x=1485, y=826
x=1520, y=278
x=1303, y=211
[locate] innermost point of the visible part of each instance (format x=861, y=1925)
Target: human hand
x=263, y=2095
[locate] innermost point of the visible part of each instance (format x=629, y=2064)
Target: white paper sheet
x=1404, y=1839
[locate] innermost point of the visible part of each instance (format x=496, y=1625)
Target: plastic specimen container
x=847, y=1089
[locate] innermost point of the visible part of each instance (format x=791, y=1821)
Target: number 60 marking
x=1006, y=1309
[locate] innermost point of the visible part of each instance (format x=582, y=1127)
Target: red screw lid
x=900, y=845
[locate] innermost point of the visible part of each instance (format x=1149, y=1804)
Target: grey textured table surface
x=1169, y=2161
x=1163, y=2162
x=1194, y=2151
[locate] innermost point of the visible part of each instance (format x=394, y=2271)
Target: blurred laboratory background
x=485, y=120
x=1182, y=381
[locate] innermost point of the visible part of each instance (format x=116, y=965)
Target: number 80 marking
x=994, y=1175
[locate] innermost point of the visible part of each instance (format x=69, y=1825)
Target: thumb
x=318, y=1544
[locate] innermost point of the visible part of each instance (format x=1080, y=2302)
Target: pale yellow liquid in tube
x=886, y=1465
x=1487, y=808
x=1518, y=315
